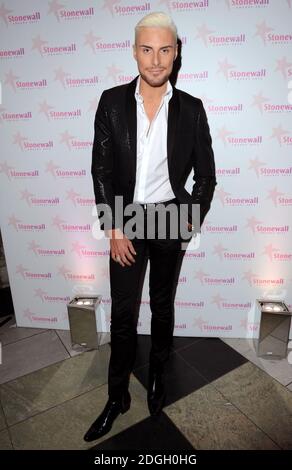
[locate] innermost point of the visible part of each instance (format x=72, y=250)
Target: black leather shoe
x=103, y=424
x=156, y=394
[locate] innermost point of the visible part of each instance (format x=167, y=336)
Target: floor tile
x=211, y=357
x=31, y=354
x=180, y=378
x=63, y=427
x=75, y=350
x=289, y=387
x=262, y=399
x=5, y=442
x=149, y=434
x=2, y=419
x=52, y=385
x=10, y=333
x=180, y=342
x=210, y=422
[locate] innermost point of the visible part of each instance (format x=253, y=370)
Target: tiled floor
x=220, y=395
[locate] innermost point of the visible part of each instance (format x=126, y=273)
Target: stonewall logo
x=208, y=227
x=63, y=226
x=195, y=255
x=222, y=303
x=263, y=105
x=275, y=254
x=33, y=317
x=281, y=135
x=11, y=173
x=186, y=6
x=51, y=114
x=122, y=79
x=78, y=200
x=206, y=279
x=60, y=13
x=227, y=70
x=220, y=109
x=8, y=18
x=57, y=172
x=257, y=226
x=208, y=37
x=43, y=295
x=278, y=198
x=72, y=143
x=198, y=76
x=74, y=82
x=12, y=53
x=261, y=169
x=189, y=304
x=284, y=67
x=6, y=116
x=26, y=145
x=247, y=3
x=227, y=138
x=26, y=274
x=225, y=255
x=20, y=226
x=222, y=172
x=116, y=46
x=254, y=280
x=45, y=49
x=269, y=36
x=226, y=199
x=69, y=275
x=84, y=252
x=16, y=84
x=37, y=250
x=32, y=200
x=128, y=9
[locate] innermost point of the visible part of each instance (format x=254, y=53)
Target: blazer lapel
x=173, y=113
x=131, y=113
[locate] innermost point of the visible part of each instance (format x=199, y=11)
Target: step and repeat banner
x=56, y=58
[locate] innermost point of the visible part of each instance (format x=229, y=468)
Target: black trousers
x=165, y=257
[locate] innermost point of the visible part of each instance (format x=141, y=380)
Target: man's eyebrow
x=150, y=47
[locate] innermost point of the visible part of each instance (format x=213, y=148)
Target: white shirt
x=152, y=177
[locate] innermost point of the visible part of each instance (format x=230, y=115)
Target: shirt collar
x=167, y=95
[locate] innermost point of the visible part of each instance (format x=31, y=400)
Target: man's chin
x=156, y=81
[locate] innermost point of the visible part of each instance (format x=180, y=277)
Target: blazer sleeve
x=102, y=166
x=203, y=165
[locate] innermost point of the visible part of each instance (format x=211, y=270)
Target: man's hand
x=121, y=247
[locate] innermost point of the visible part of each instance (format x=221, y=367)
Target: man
x=148, y=137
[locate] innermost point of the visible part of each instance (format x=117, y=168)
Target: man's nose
x=156, y=58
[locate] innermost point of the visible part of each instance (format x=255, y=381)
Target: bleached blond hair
x=156, y=20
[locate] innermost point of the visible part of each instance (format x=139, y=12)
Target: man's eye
x=146, y=50
x=165, y=51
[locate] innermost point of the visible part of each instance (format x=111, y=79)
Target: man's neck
x=151, y=93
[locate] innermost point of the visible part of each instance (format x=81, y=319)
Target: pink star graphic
x=51, y=168
x=252, y=223
x=57, y=221
x=166, y=2
x=66, y=138
x=13, y=221
x=54, y=8
x=244, y=323
x=71, y=195
x=224, y=68
x=110, y=5
x=249, y=276
x=91, y=40
x=112, y=72
x=274, y=194
x=263, y=30
x=199, y=322
x=40, y=293
x=221, y=195
x=223, y=133
x=21, y=270
x=61, y=76
x=63, y=271
x=269, y=250
x=219, y=250
x=33, y=246
x=259, y=100
x=1, y=111
x=26, y=195
x=27, y=314
x=19, y=139
x=4, y=12
x=203, y=33
x=217, y=299
x=10, y=79
x=200, y=275
x=278, y=133
x=256, y=164
x=289, y=3
x=77, y=248
x=38, y=43
x=282, y=66
x=93, y=104
x=45, y=108
x=5, y=168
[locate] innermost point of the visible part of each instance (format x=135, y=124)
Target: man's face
x=155, y=51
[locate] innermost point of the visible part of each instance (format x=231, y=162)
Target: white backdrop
x=56, y=58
